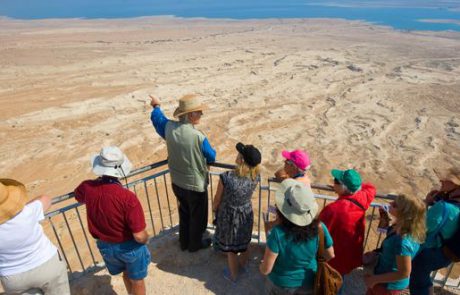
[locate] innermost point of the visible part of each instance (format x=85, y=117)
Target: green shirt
x=434, y=218
x=296, y=264
x=392, y=246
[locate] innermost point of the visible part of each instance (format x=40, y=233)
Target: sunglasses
x=289, y=162
x=336, y=181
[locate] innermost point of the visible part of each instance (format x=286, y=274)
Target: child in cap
x=233, y=207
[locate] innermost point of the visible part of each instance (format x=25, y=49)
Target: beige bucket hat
x=452, y=174
x=189, y=103
x=13, y=198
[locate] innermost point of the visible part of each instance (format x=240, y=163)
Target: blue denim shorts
x=129, y=256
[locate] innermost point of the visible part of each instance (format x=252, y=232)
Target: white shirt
x=23, y=245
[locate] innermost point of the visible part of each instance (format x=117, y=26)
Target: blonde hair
x=244, y=170
x=411, y=217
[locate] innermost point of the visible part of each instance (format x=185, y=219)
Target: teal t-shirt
x=296, y=264
x=393, y=246
x=434, y=218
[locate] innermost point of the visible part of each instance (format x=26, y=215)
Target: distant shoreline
x=399, y=15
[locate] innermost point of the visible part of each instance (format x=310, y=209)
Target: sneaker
x=228, y=276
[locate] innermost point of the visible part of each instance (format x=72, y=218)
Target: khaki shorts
x=50, y=278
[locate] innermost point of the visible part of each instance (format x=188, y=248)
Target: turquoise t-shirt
x=296, y=264
x=393, y=246
x=434, y=218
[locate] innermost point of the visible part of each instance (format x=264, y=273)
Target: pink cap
x=298, y=157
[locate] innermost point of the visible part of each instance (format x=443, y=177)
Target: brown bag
x=328, y=281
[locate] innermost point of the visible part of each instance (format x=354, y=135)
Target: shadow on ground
x=92, y=283
x=202, y=271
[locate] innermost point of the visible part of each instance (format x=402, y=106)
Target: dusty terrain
x=351, y=94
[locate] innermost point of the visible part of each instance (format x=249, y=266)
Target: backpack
x=450, y=247
x=328, y=281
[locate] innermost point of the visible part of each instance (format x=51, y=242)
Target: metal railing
x=152, y=186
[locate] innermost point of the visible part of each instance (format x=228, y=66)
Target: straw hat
x=13, y=198
x=452, y=174
x=189, y=103
x=296, y=202
x=111, y=162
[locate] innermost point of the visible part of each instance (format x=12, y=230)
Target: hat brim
x=178, y=112
x=337, y=174
x=16, y=199
x=240, y=147
x=286, y=210
x=101, y=170
x=286, y=154
x=447, y=175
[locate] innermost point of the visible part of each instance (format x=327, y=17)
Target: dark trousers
x=193, y=217
x=426, y=261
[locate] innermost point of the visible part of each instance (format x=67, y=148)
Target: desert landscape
x=352, y=94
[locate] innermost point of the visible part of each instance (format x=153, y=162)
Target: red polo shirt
x=113, y=212
x=346, y=223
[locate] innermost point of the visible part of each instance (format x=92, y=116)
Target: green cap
x=349, y=178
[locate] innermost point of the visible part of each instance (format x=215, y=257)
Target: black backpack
x=451, y=246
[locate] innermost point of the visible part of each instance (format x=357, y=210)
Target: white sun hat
x=111, y=162
x=296, y=202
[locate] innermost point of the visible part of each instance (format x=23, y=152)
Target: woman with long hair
x=394, y=264
x=233, y=208
x=290, y=255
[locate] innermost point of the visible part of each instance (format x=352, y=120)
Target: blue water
x=401, y=18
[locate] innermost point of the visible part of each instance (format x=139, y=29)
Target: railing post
x=60, y=244
x=86, y=237
x=73, y=241
x=150, y=207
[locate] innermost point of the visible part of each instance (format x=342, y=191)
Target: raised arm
x=157, y=117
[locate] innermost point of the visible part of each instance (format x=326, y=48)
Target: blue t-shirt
x=392, y=246
x=434, y=218
x=296, y=264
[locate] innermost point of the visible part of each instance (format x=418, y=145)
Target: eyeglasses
x=289, y=162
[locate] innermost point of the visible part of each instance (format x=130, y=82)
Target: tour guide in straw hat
x=116, y=219
x=189, y=152
x=28, y=259
x=290, y=255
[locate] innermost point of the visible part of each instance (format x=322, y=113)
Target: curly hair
x=299, y=233
x=411, y=217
